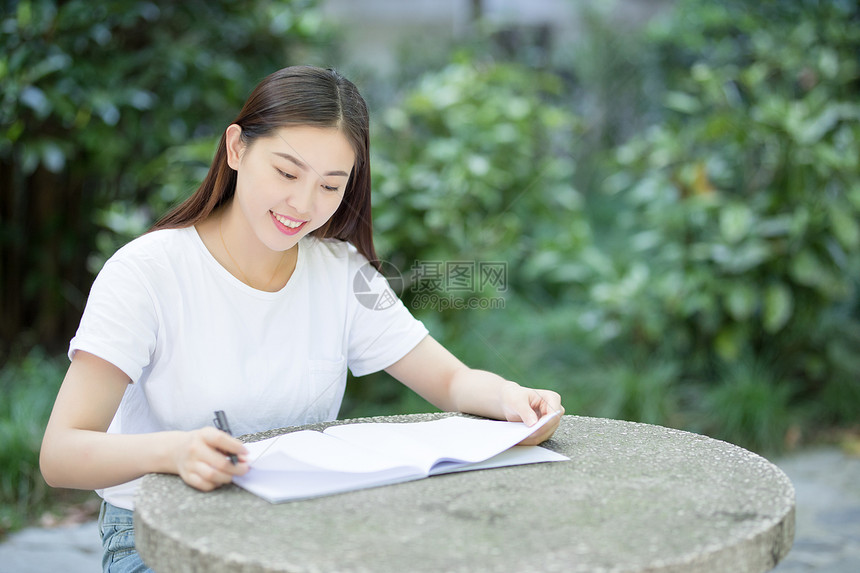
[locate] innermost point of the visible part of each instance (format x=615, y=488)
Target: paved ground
x=827, y=539
x=827, y=482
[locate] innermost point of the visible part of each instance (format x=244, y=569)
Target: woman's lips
x=287, y=225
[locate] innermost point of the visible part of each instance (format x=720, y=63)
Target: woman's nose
x=301, y=198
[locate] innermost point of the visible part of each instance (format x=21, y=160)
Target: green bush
x=475, y=163
x=737, y=214
x=29, y=388
x=712, y=285
x=93, y=95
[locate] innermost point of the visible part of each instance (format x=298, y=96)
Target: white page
x=308, y=450
x=277, y=486
x=515, y=456
x=389, y=438
x=295, y=484
x=455, y=438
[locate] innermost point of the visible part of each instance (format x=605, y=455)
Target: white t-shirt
x=194, y=339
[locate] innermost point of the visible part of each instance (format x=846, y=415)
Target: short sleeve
x=382, y=330
x=120, y=321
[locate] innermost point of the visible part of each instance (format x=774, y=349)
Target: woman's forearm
x=86, y=459
x=444, y=381
x=479, y=392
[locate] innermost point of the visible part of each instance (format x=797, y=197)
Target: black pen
x=221, y=423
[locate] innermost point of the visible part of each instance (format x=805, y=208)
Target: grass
x=750, y=406
x=29, y=387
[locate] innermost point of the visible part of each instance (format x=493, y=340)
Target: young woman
x=241, y=299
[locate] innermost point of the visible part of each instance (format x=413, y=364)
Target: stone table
x=633, y=497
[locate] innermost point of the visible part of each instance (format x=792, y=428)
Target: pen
x=221, y=423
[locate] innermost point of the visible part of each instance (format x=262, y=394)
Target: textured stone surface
x=634, y=497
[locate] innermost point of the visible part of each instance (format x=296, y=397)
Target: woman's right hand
x=202, y=458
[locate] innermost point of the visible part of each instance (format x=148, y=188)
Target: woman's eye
x=330, y=188
x=285, y=175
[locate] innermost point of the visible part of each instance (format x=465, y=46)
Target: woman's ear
x=235, y=146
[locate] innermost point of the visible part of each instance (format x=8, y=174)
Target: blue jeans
x=116, y=527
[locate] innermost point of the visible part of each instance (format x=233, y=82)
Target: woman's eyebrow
x=303, y=166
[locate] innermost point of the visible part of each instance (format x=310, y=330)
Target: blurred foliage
x=475, y=163
x=712, y=285
x=155, y=73
x=28, y=389
x=750, y=405
x=93, y=95
x=737, y=215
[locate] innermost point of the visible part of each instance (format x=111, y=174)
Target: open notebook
x=308, y=463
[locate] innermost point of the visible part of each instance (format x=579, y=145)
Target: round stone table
x=633, y=497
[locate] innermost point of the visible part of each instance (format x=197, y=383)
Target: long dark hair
x=298, y=95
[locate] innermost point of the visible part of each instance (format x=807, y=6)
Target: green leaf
x=53, y=157
x=854, y=195
x=736, y=220
x=742, y=258
x=828, y=63
x=35, y=99
x=25, y=14
x=845, y=226
x=741, y=300
x=727, y=344
x=807, y=269
x=682, y=102
x=778, y=307
x=780, y=225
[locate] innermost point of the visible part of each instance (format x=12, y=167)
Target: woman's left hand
x=528, y=405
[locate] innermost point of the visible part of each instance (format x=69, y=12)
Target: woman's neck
x=236, y=247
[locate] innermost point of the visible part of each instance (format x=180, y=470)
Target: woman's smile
x=287, y=225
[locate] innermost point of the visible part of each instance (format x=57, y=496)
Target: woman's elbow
x=46, y=467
